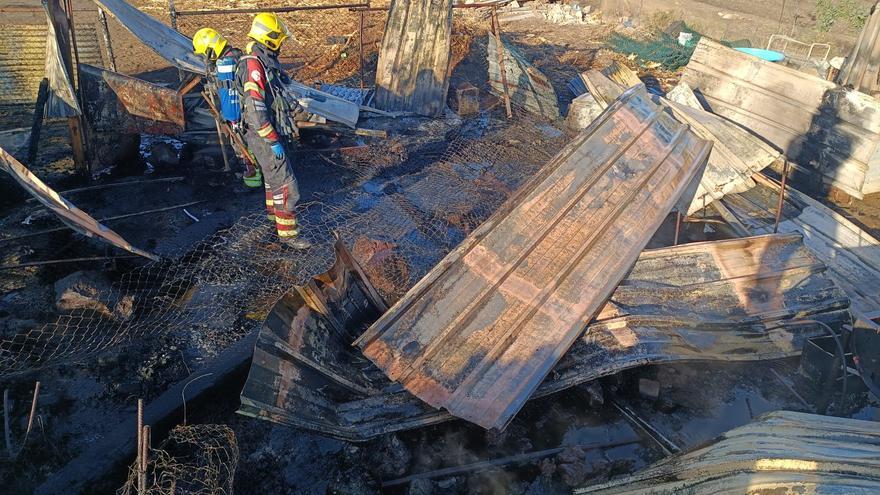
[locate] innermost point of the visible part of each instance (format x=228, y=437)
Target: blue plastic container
x=768, y=55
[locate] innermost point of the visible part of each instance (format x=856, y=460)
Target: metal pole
x=226, y=167
x=105, y=30
x=779, y=204
x=496, y=28
x=172, y=12
x=140, y=444
x=144, y=456
x=677, y=227
x=278, y=10
x=361, y=44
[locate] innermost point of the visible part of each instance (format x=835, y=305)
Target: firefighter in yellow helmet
x=268, y=119
x=220, y=61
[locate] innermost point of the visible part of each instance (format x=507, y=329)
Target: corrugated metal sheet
x=528, y=87
x=23, y=58
x=412, y=74
x=168, y=43
x=75, y=218
x=736, y=295
x=736, y=154
x=821, y=127
x=780, y=453
x=480, y=332
x=117, y=102
x=852, y=255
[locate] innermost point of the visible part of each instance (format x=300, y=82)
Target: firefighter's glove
x=278, y=150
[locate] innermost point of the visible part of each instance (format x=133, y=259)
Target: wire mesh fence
x=407, y=204
x=193, y=460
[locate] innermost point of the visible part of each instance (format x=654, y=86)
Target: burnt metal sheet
x=412, y=74
x=736, y=154
x=852, y=255
x=824, y=129
x=23, y=58
x=117, y=102
x=75, y=218
x=174, y=47
x=480, y=331
x=737, y=295
x=528, y=87
x=781, y=452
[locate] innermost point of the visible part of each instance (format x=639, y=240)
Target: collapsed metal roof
x=781, y=453
x=479, y=333
x=738, y=296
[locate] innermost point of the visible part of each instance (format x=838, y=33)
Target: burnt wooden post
x=37, y=125
x=105, y=30
x=677, y=227
x=75, y=124
x=361, y=44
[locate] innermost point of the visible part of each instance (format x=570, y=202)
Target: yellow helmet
x=208, y=42
x=269, y=30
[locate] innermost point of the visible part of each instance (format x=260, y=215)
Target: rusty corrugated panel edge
x=115, y=101
x=479, y=333
x=75, y=218
x=737, y=295
x=781, y=452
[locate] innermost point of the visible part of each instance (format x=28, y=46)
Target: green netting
x=664, y=47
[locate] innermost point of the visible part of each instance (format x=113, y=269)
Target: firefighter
x=221, y=59
x=268, y=120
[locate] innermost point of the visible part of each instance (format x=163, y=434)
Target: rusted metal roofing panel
x=736, y=154
x=852, y=255
x=480, y=332
x=23, y=58
x=75, y=218
x=781, y=452
x=737, y=295
x=118, y=102
x=822, y=127
x=528, y=87
x=412, y=74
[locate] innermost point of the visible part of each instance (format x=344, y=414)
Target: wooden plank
x=480, y=332
x=820, y=126
x=737, y=295
x=412, y=74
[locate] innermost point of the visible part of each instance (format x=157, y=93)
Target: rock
x=392, y=457
x=89, y=290
x=421, y=486
x=582, y=112
x=352, y=482
x=10, y=326
x=163, y=153
x=649, y=389
x=595, y=394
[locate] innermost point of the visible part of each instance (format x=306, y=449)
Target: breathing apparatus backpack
x=227, y=90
